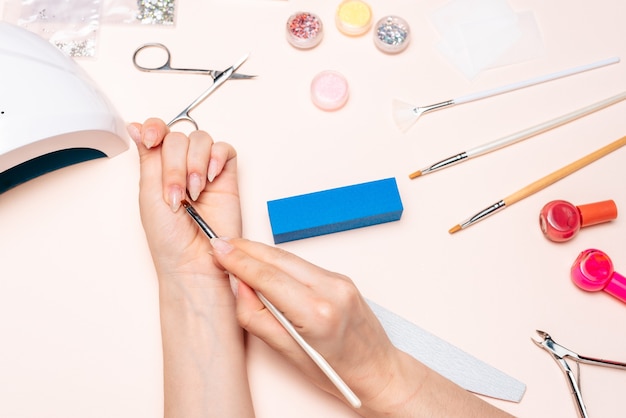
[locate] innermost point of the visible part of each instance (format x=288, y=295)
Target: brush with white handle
x=405, y=114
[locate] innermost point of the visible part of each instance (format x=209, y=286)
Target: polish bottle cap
x=598, y=212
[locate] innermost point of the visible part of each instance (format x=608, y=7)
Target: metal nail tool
x=166, y=65
x=219, y=78
x=561, y=354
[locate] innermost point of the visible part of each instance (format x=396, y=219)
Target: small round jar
x=354, y=17
x=329, y=90
x=392, y=34
x=304, y=30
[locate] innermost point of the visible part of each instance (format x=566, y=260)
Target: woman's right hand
x=329, y=312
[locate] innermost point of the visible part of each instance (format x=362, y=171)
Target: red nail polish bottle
x=561, y=220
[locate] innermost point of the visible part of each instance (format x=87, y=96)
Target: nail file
x=334, y=210
x=449, y=361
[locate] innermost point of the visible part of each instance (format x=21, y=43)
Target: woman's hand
x=331, y=315
x=203, y=347
x=171, y=164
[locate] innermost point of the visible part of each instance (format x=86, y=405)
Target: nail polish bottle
x=593, y=271
x=560, y=220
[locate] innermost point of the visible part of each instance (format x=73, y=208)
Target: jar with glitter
x=353, y=17
x=304, y=30
x=392, y=34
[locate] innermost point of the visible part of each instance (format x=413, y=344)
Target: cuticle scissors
x=219, y=78
x=560, y=354
x=167, y=64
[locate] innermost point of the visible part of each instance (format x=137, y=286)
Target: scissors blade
x=229, y=73
x=220, y=79
x=451, y=362
x=238, y=76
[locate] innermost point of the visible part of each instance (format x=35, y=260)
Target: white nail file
x=451, y=362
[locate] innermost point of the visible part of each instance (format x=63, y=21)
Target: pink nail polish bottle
x=561, y=220
x=593, y=271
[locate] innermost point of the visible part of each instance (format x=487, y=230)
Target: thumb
x=149, y=160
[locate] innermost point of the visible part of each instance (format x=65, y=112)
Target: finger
x=153, y=132
x=221, y=154
x=174, y=165
x=290, y=296
x=198, y=154
x=259, y=321
x=305, y=272
x=149, y=160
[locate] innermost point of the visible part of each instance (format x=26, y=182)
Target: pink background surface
x=78, y=300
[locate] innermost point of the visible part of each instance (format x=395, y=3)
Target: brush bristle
x=185, y=203
x=455, y=228
x=404, y=114
x=415, y=174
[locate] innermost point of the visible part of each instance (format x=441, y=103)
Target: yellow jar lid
x=354, y=17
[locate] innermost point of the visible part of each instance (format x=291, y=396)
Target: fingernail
x=234, y=284
x=212, y=170
x=221, y=246
x=176, y=195
x=150, y=138
x=134, y=133
x=195, y=185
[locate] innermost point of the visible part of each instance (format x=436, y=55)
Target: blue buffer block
x=334, y=210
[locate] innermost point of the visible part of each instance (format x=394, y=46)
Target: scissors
x=167, y=65
x=219, y=78
x=560, y=354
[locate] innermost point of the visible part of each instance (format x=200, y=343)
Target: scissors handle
x=167, y=64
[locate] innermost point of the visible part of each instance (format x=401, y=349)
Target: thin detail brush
x=519, y=136
x=540, y=184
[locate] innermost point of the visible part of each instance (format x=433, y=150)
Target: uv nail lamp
x=51, y=114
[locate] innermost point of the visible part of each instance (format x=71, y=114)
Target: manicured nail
x=195, y=185
x=234, y=284
x=150, y=138
x=212, y=170
x=221, y=246
x=175, y=195
x=134, y=133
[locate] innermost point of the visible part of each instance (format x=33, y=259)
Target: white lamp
x=51, y=113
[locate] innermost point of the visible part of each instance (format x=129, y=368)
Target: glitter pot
x=354, y=17
x=304, y=30
x=329, y=90
x=392, y=34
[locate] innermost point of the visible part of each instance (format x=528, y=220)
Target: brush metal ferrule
x=484, y=213
x=436, y=106
x=199, y=220
x=445, y=163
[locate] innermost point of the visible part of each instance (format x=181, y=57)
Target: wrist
x=195, y=291
x=400, y=388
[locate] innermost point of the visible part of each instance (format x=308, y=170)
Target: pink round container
x=329, y=90
x=593, y=271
